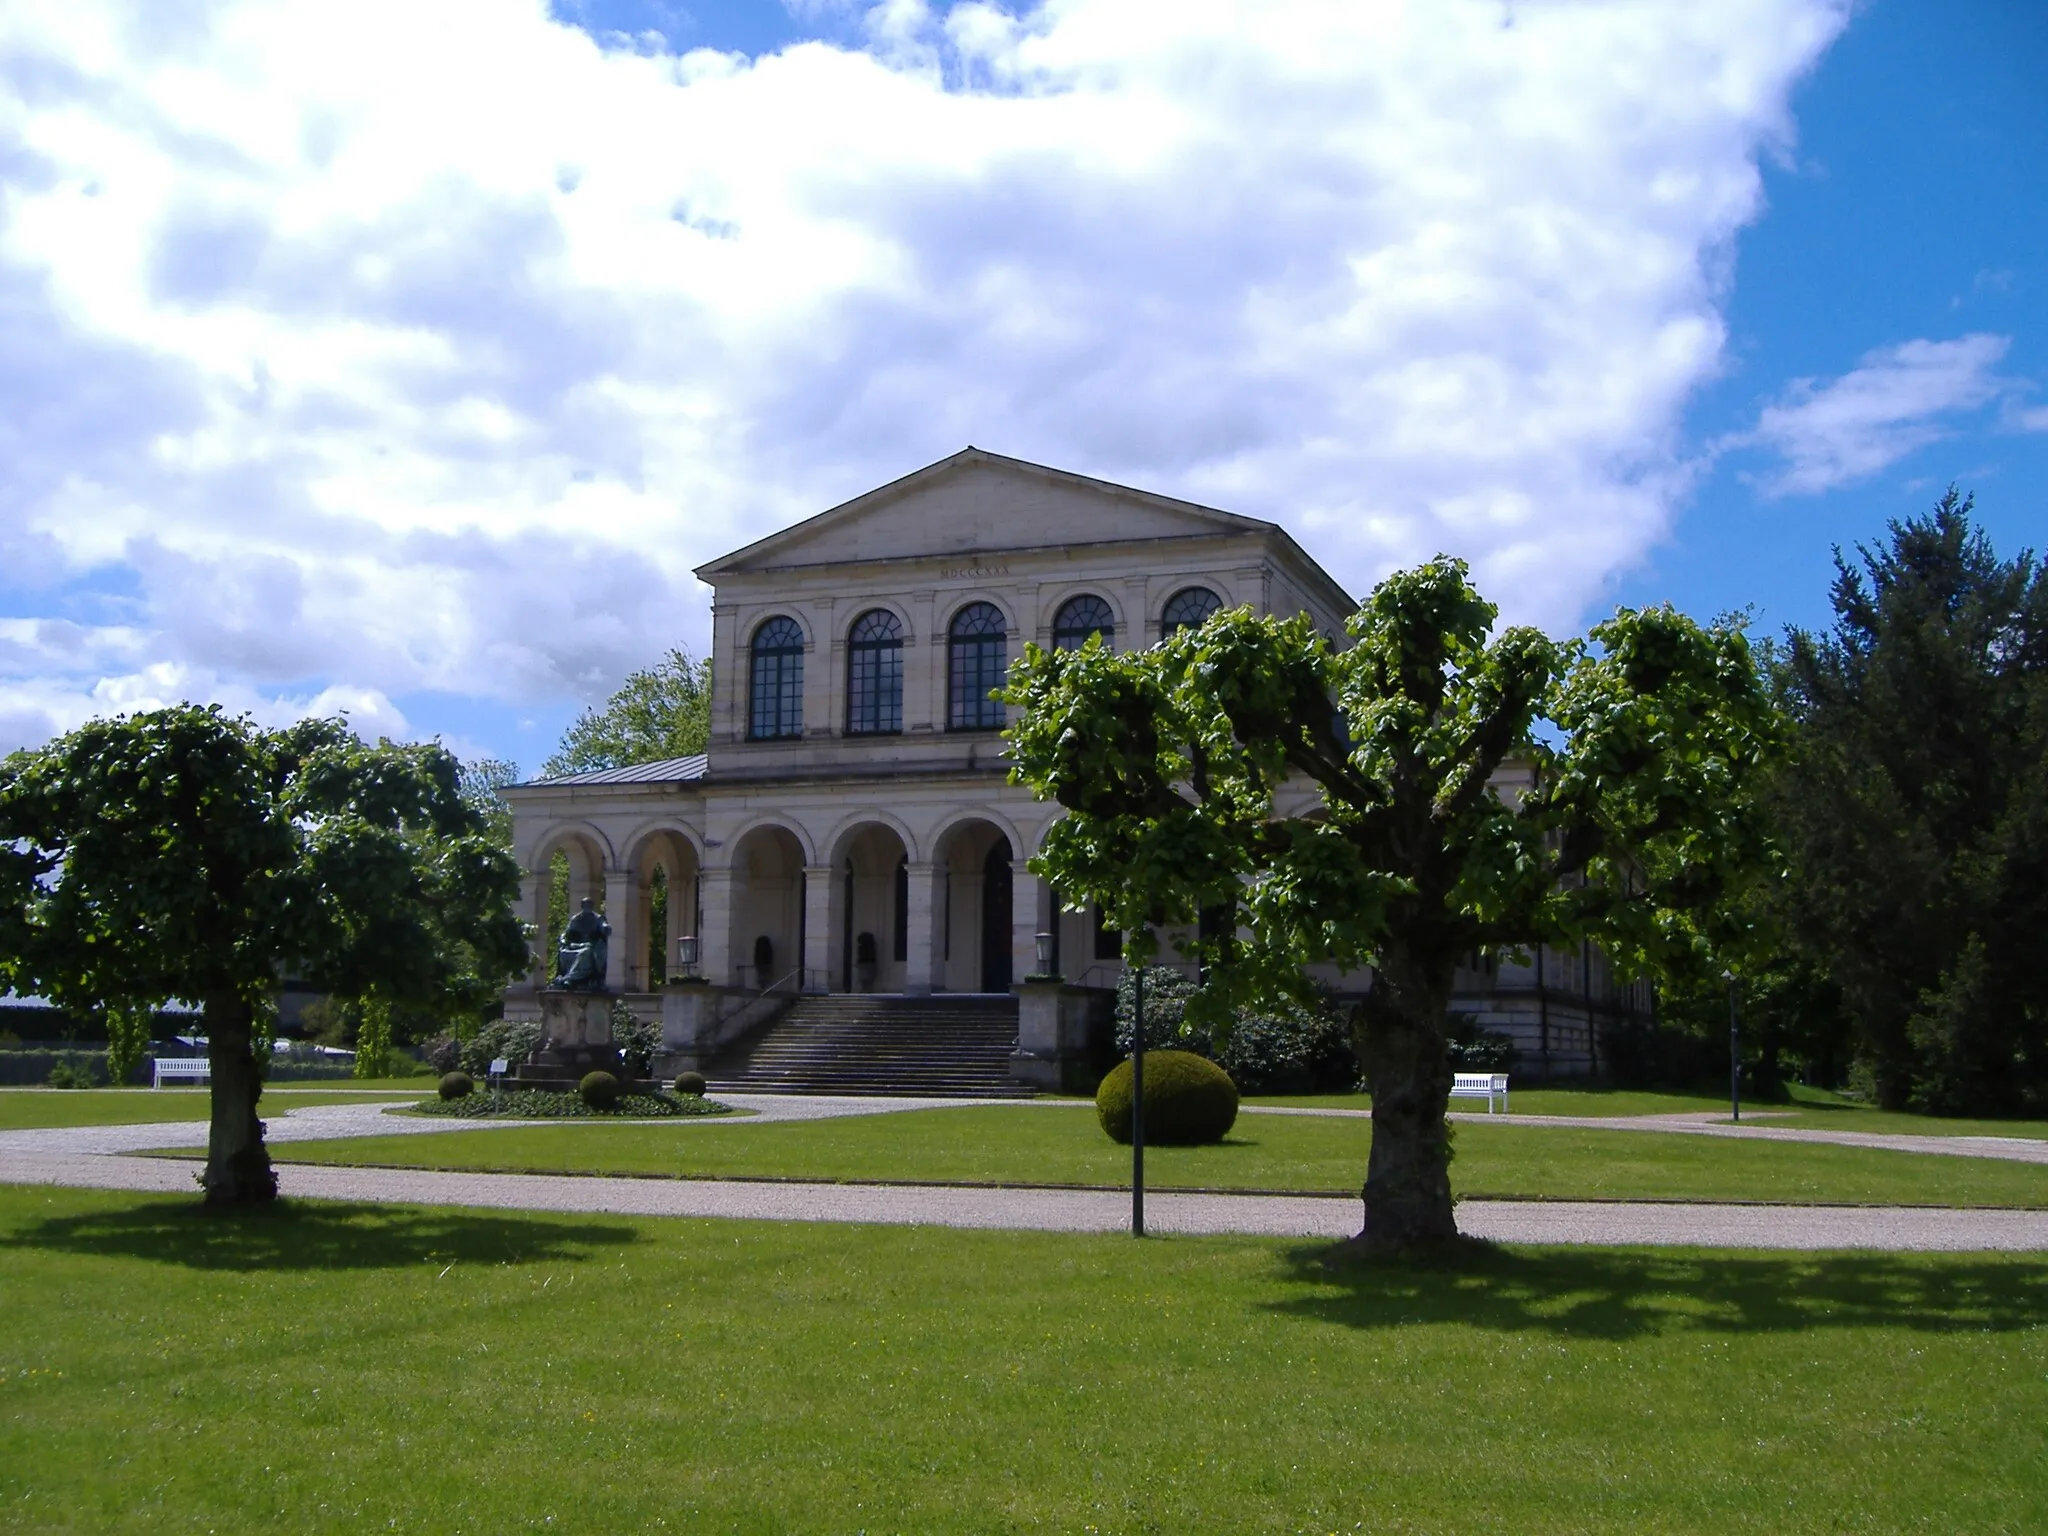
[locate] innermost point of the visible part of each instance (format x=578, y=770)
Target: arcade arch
x=767, y=909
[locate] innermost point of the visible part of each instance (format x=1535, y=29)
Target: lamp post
x=686, y=956
x=1138, y=1102
x=1044, y=943
x=1734, y=1050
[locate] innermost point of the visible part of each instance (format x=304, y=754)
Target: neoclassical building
x=850, y=828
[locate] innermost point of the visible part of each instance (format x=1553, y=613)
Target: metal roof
x=669, y=770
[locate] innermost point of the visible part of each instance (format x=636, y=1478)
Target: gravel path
x=92, y=1157
x=1706, y=1226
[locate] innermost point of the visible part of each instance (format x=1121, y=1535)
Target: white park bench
x=1482, y=1085
x=188, y=1069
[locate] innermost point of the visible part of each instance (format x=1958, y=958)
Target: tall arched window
x=874, y=674
x=777, y=696
x=1080, y=617
x=975, y=667
x=1187, y=608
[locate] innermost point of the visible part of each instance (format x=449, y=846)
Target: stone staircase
x=943, y=1046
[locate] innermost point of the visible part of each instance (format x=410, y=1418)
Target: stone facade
x=850, y=827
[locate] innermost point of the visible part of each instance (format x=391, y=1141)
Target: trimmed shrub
x=1189, y=1100
x=457, y=1085
x=600, y=1090
x=690, y=1085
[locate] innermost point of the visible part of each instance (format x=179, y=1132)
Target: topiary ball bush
x=600, y=1090
x=457, y=1085
x=1189, y=1100
x=689, y=1085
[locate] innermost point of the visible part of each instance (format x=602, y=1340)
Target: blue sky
x=1915, y=207
x=405, y=362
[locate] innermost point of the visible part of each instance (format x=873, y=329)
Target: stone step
x=879, y=1044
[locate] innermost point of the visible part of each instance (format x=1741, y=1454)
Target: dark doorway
x=995, y=918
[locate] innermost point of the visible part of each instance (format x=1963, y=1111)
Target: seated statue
x=585, y=949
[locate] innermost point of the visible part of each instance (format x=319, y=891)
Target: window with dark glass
x=975, y=663
x=874, y=674
x=777, y=698
x=1187, y=608
x=1080, y=617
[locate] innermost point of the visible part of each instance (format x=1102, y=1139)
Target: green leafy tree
x=1469, y=793
x=185, y=853
x=664, y=711
x=480, y=781
x=1916, y=813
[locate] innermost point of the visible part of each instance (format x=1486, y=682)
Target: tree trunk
x=1408, y=1068
x=238, y=1168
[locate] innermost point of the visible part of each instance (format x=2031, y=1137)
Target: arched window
x=874, y=674
x=1187, y=608
x=1080, y=617
x=975, y=667
x=778, y=684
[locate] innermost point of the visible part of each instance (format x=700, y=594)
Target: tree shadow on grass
x=290, y=1235
x=1595, y=1293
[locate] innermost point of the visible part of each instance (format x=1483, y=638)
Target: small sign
x=500, y=1067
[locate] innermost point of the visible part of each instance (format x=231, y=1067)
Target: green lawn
x=1602, y=1103
x=1811, y=1108
x=1063, y=1145
x=1830, y=1114
x=334, y=1368
x=23, y=1109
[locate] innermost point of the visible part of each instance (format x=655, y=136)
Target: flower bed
x=540, y=1104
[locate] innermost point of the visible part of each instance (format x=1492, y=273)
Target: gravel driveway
x=92, y=1157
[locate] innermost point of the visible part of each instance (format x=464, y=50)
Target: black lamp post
x=1734, y=1050
x=1138, y=1103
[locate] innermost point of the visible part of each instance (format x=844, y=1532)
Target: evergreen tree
x=1915, y=812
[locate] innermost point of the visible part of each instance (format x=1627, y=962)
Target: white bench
x=1482, y=1085
x=182, y=1069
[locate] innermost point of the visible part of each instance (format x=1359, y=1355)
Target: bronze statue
x=585, y=949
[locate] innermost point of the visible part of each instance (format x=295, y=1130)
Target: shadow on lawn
x=1609, y=1294
x=292, y=1236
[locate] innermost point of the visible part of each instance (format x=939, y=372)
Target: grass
x=1601, y=1103
x=23, y=1109
x=1062, y=1145
x=333, y=1368
x=1807, y=1108
x=1817, y=1109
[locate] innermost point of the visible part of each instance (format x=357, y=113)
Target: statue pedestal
x=576, y=1038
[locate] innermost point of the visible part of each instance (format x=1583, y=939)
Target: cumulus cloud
x=380, y=348
x=1896, y=400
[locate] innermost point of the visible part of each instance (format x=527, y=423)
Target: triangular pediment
x=979, y=502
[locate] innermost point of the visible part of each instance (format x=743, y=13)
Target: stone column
x=714, y=933
x=821, y=931
x=533, y=909
x=922, y=967
x=618, y=911
x=1024, y=898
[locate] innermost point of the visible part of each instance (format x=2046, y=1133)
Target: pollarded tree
x=1470, y=794
x=185, y=853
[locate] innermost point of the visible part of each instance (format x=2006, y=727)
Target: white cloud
x=383, y=348
x=1896, y=400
